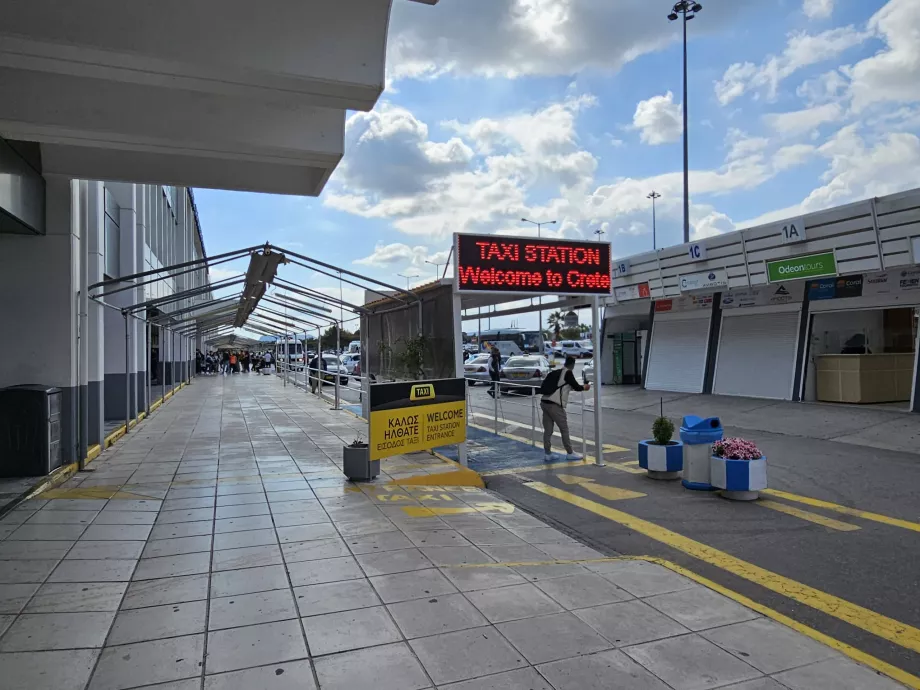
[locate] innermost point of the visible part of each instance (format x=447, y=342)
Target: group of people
x=554, y=394
x=228, y=362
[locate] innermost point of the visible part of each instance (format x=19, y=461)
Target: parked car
x=587, y=345
x=573, y=348
x=476, y=369
x=587, y=372
x=471, y=349
x=331, y=366
x=352, y=363
x=524, y=371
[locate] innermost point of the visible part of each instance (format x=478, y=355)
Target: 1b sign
x=793, y=231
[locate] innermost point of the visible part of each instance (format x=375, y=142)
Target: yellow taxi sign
x=422, y=392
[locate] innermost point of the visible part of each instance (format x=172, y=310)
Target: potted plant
x=357, y=463
x=660, y=456
x=738, y=468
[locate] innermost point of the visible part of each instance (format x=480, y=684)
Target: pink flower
x=736, y=449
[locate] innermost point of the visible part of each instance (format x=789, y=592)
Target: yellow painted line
x=872, y=662
x=93, y=452
x=590, y=458
x=882, y=626
x=104, y=492
x=56, y=478
x=608, y=447
x=422, y=511
x=632, y=463
x=628, y=467
x=808, y=515
x=539, y=468
x=610, y=493
x=865, y=515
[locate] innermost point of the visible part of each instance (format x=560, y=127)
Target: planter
x=661, y=462
x=739, y=480
x=357, y=465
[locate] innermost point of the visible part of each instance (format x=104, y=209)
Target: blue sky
x=571, y=109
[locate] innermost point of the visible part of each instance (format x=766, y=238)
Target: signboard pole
x=598, y=441
x=338, y=373
x=458, y=364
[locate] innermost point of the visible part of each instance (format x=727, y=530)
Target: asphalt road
x=874, y=566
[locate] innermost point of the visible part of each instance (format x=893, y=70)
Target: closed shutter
x=677, y=361
x=757, y=355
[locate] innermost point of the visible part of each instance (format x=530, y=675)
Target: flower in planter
x=736, y=449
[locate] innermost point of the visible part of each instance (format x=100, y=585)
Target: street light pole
x=409, y=277
x=654, y=195
x=437, y=268
x=540, y=298
x=688, y=9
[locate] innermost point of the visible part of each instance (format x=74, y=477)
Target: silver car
x=587, y=373
x=331, y=366
x=526, y=373
x=476, y=368
x=351, y=362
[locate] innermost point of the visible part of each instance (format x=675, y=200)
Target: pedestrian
x=555, y=396
x=495, y=371
x=224, y=362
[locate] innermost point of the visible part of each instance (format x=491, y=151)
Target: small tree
x=555, y=321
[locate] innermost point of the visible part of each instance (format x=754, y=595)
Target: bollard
x=497, y=392
x=533, y=420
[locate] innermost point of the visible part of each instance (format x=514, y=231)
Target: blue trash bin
x=698, y=434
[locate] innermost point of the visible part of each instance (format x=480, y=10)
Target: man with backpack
x=495, y=371
x=555, y=396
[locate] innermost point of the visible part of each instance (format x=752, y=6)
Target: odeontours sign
x=491, y=263
x=419, y=415
x=810, y=266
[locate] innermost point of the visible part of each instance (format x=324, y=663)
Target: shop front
x=679, y=344
x=626, y=328
x=758, y=341
x=862, y=339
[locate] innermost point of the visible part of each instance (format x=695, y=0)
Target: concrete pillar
x=39, y=275
x=95, y=337
x=140, y=328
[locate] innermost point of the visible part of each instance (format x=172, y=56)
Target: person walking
x=495, y=371
x=555, y=396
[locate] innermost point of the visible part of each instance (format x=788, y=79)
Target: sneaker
x=548, y=457
x=572, y=457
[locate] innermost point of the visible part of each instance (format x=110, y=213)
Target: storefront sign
x=629, y=292
x=895, y=281
x=489, y=263
x=763, y=296
x=683, y=303
x=420, y=415
x=835, y=288
x=793, y=231
x=811, y=266
x=705, y=280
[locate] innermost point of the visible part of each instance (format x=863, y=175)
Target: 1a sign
x=697, y=252
x=419, y=415
x=810, y=266
x=793, y=231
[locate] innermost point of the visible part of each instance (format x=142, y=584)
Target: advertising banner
x=525, y=265
x=811, y=266
x=629, y=292
x=763, y=296
x=705, y=280
x=419, y=415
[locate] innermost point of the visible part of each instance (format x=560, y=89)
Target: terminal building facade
x=821, y=307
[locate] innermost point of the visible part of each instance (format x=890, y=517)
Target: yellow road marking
x=631, y=463
x=611, y=493
x=872, y=662
x=887, y=628
x=114, y=492
x=865, y=515
x=807, y=515
x=421, y=511
x=538, y=468
x=628, y=467
x=608, y=447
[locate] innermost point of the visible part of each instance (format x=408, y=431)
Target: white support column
x=598, y=437
x=458, y=364
x=139, y=327
x=95, y=319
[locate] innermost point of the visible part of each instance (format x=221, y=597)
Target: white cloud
x=802, y=49
x=818, y=9
x=386, y=255
x=512, y=38
x=830, y=86
x=803, y=121
x=659, y=120
x=791, y=156
x=710, y=224
x=893, y=74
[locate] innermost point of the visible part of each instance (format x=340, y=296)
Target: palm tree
x=555, y=321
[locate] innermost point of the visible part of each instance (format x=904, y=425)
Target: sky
x=571, y=110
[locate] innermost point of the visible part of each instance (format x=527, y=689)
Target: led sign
x=491, y=263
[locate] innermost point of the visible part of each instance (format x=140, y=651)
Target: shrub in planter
x=738, y=468
x=356, y=462
x=661, y=457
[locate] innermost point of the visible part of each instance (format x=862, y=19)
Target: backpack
x=551, y=383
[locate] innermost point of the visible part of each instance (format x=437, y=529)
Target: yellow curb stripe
x=808, y=515
x=877, y=624
x=865, y=515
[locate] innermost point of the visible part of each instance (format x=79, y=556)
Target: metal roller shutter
x=757, y=355
x=677, y=361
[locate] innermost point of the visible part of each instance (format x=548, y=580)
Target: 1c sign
x=697, y=252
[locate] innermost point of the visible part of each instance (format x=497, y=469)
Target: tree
x=555, y=321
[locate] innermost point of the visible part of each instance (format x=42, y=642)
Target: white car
x=587, y=372
x=523, y=372
x=573, y=348
x=331, y=367
x=352, y=362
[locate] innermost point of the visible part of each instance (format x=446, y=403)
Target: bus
x=515, y=340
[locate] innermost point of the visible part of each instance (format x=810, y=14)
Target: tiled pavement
x=218, y=548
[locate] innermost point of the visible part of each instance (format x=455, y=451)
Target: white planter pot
x=739, y=479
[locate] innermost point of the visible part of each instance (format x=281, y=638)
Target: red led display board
x=492, y=263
